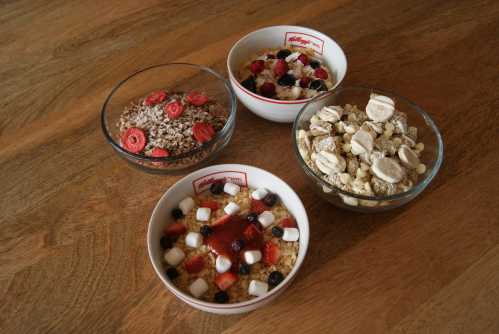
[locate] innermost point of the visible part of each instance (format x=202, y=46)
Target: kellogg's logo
x=302, y=40
x=204, y=183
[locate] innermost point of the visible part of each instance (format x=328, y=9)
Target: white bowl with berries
x=228, y=239
x=274, y=71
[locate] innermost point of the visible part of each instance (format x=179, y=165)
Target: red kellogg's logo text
x=232, y=177
x=299, y=40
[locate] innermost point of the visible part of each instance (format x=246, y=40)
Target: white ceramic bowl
x=324, y=47
x=200, y=181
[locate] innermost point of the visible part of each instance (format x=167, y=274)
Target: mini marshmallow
x=186, y=205
x=222, y=264
x=193, y=239
x=231, y=188
x=174, y=256
x=266, y=218
x=231, y=208
x=259, y=194
x=198, y=287
x=203, y=214
x=291, y=234
x=258, y=288
x=252, y=256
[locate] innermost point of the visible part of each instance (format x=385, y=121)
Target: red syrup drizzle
x=220, y=241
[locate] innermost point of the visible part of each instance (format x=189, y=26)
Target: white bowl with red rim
x=200, y=181
x=324, y=47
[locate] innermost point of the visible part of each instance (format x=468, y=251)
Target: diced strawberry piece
x=213, y=205
x=281, y=67
x=174, y=109
x=252, y=232
x=304, y=82
x=155, y=98
x=267, y=89
x=258, y=206
x=287, y=222
x=194, y=265
x=225, y=280
x=133, y=140
x=202, y=132
x=159, y=152
x=257, y=66
x=222, y=220
x=175, y=229
x=197, y=99
x=320, y=73
x=270, y=253
x=303, y=58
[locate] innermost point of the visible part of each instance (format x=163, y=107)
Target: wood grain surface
x=73, y=215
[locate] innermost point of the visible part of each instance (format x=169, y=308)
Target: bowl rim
x=420, y=186
x=232, y=77
x=280, y=288
x=219, y=135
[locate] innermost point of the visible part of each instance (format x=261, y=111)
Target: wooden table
x=73, y=215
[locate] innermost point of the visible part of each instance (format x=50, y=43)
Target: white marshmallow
x=186, y=205
x=291, y=234
x=296, y=92
x=258, y=288
x=259, y=194
x=266, y=218
x=231, y=208
x=388, y=170
x=380, y=108
x=231, y=188
x=361, y=142
x=408, y=157
x=198, y=287
x=252, y=256
x=174, y=256
x=203, y=214
x=292, y=57
x=222, y=264
x=193, y=239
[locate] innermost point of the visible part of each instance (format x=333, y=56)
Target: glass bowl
x=180, y=77
x=428, y=134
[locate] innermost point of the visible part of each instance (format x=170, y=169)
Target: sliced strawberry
x=267, y=89
x=175, y=229
x=281, y=67
x=202, y=132
x=222, y=220
x=213, y=205
x=270, y=253
x=155, y=98
x=174, y=109
x=304, y=82
x=133, y=140
x=159, y=152
x=258, y=206
x=252, y=232
x=197, y=99
x=320, y=73
x=287, y=222
x=225, y=280
x=257, y=66
x=194, y=265
x=303, y=58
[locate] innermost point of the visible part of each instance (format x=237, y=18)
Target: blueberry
x=166, y=242
x=206, y=230
x=270, y=199
x=283, y=53
x=221, y=297
x=252, y=217
x=287, y=80
x=244, y=269
x=249, y=84
x=217, y=188
x=315, y=64
x=275, y=278
x=277, y=231
x=318, y=85
x=177, y=213
x=172, y=273
x=237, y=245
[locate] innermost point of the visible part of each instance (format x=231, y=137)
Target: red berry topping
x=304, y=82
x=303, y=58
x=158, y=152
x=267, y=89
x=222, y=220
x=257, y=66
x=320, y=73
x=174, y=109
x=280, y=68
x=197, y=99
x=270, y=253
x=252, y=232
x=155, y=98
x=258, y=206
x=175, y=229
x=213, y=205
x=287, y=222
x=133, y=140
x=202, y=132
x=195, y=264
x=225, y=280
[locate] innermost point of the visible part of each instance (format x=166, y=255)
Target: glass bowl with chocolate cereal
x=170, y=118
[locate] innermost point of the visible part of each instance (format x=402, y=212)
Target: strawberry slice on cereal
x=288, y=222
x=213, y=205
x=222, y=220
x=175, y=229
x=133, y=140
x=194, y=265
x=155, y=98
x=258, y=206
x=202, y=132
x=270, y=253
x=225, y=280
x=159, y=152
x=197, y=99
x=174, y=109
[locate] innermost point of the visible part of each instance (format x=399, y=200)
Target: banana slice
x=362, y=142
x=387, y=170
x=380, y=108
x=408, y=157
